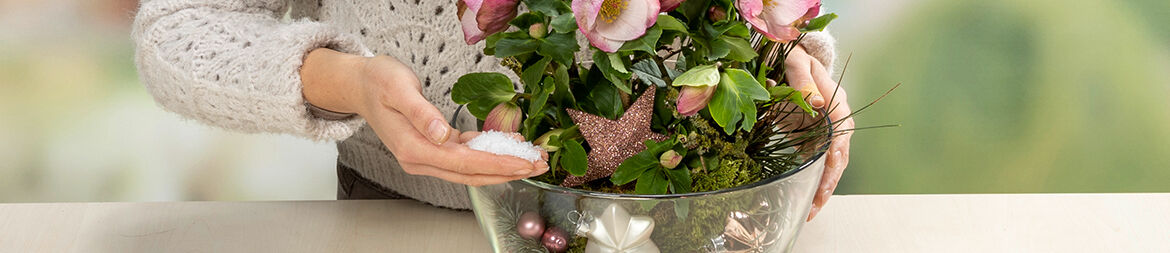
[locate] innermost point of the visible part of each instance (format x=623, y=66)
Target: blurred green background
x=1009, y=96
x=997, y=96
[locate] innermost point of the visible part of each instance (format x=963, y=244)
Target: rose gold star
x=612, y=141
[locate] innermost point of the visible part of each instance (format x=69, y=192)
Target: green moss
x=730, y=173
x=706, y=221
x=577, y=245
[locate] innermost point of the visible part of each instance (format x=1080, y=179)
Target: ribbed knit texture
x=235, y=65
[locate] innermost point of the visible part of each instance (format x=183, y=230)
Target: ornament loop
x=716, y=245
x=581, y=220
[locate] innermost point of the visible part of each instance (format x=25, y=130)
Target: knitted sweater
x=235, y=64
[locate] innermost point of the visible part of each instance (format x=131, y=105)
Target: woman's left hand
x=807, y=74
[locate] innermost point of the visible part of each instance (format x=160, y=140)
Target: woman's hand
x=388, y=95
x=807, y=74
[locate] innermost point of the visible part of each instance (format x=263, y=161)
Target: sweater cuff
x=822, y=46
x=320, y=124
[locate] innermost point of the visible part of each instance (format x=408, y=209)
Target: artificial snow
x=501, y=143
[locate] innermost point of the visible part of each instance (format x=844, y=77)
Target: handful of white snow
x=501, y=143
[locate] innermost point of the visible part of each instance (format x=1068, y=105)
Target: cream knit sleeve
x=823, y=46
x=235, y=64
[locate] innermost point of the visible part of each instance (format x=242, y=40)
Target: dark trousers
x=351, y=185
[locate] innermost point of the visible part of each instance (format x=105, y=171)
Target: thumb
x=401, y=91
x=800, y=78
x=425, y=118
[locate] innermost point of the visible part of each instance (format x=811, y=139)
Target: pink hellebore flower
x=779, y=19
x=481, y=18
x=610, y=23
x=505, y=117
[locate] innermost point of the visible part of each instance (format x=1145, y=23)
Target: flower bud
x=692, y=99
x=669, y=5
x=542, y=141
x=480, y=18
x=505, y=117
x=670, y=159
x=537, y=31
x=716, y=14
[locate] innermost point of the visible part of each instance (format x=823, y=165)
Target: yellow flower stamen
x=611, y=9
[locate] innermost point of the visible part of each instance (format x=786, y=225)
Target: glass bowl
x=765, y=216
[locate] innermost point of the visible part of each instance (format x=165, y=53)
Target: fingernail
x=522, y=172
x=813, y=213
x=815, y=98
x=837, y=158
x=438, y=131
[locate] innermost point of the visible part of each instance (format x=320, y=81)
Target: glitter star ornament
x=747, y=234
x=617, y=231
x=613, y=141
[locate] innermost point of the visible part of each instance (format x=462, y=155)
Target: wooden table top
x=850, y=223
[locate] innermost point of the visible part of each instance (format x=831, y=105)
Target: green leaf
x=515, y=46
x=473, y=86
x=647, y=43
x=705, y=75
x=606, y=100
x=482, y=92
x=694, y=10
x=668, y=23
x=652, y=182
x=560, y=47
x=528, y=126
x=634, y=166
x=548, y=7
x=787, y=93
x=734, y=100
x=680, y=180
x=647, y=71
x=741, y=50
x=601, y=60
x=663, y=111
x=574, y=159
x=617, y=62
x=819, y=23
x=536, y=107
x=540, y=96
x=739, y=30
x=480, y=108
x=761, y=75
x=527, y=19
x=533, y=74
x=490, y=42
x=563, y=95
x=717, y=29
x=564, y=23
x=553, y=161
x=719, y=49
x=671, y=28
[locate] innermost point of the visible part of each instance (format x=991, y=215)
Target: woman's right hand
x=388, y=95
